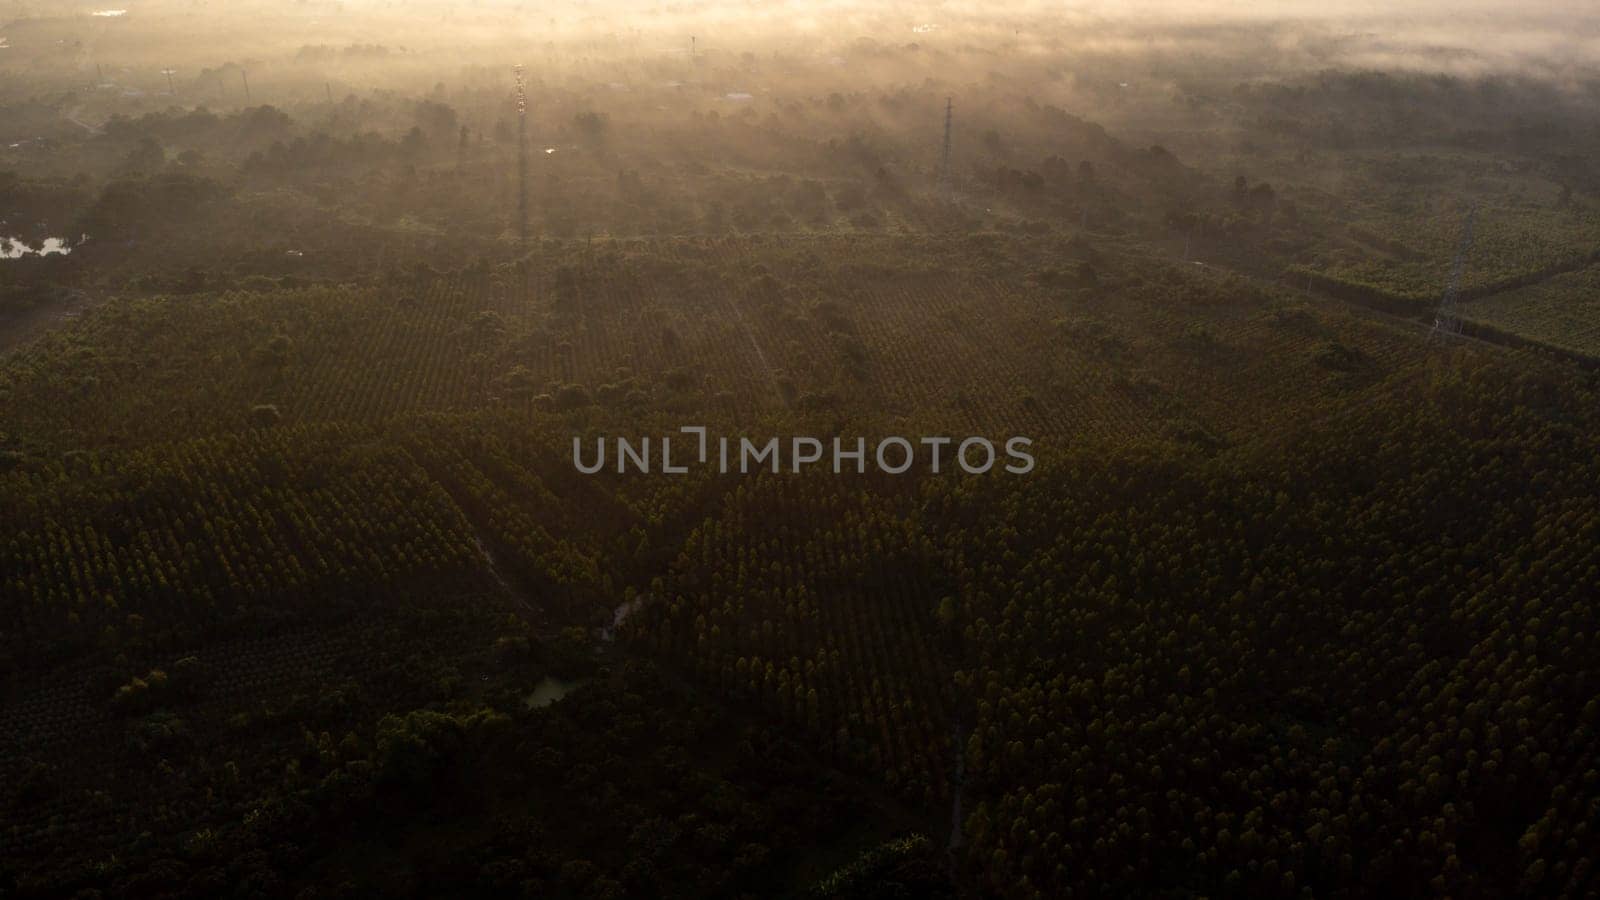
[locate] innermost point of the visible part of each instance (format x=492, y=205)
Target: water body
x=549, y=691
x=13, y=248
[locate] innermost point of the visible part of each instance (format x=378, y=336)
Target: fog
x=51, y=44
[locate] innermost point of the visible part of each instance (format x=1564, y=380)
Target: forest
x=304, y=591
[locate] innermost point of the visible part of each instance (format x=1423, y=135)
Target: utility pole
x=244, y=75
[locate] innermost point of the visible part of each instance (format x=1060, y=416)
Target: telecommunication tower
x=1447, y=321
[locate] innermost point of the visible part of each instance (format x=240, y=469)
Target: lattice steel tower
x=944, y=156
x=1447, y=321
x=522, y=160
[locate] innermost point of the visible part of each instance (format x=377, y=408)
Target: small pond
x=549, y=691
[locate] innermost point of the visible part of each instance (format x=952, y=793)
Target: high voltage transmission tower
x=944, y=156
x=1447, y=321
x=522, y=160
